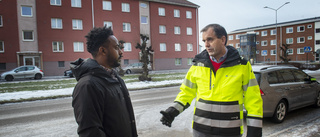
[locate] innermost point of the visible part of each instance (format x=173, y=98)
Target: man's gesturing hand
x=168, y=116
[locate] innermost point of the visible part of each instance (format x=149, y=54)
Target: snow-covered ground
x=68, y=91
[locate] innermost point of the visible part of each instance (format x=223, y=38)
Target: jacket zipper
x=210, y=79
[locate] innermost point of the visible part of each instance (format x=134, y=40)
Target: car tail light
x=41, y=70
x=261, y=92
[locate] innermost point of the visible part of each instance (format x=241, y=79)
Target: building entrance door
x=32, y=60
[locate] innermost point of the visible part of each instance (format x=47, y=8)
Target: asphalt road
x=55, y=118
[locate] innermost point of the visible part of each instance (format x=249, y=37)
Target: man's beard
x=117, y=62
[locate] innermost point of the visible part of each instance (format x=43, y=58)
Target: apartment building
x=262, y=43
x=50, y=33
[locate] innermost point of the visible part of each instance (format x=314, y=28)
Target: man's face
x=114, y=52
x=214, y=45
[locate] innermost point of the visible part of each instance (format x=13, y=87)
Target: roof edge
x=175, y=3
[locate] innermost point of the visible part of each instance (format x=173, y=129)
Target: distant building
x=259, y=43
x=50, y=33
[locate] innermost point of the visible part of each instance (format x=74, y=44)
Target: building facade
x=263, y=44
x=50, y=33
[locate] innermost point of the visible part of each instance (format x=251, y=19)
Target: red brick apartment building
x=50, y=33
x=259, y=43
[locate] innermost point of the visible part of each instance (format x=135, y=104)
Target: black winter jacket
x=102, y=105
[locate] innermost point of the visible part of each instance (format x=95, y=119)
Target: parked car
x=135, y=68
x=23, y=72
x=285, y=88
x=68, y=73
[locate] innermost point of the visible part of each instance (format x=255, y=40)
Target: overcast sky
x=239, y=14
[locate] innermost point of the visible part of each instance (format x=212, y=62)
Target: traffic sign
x=264, y=52
x=307, y=49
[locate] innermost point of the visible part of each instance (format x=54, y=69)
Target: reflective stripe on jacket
x=220, y=96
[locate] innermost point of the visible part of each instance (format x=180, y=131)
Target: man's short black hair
x=218, y=30
x=96, y=38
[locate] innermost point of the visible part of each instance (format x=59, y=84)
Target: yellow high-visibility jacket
x=220, y=96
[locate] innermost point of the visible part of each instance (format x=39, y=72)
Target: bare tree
x=146, y=51
x=284, y=49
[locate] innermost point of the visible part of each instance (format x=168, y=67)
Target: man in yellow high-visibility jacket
x=222, y=82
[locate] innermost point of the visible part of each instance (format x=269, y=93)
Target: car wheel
x=317, y=104
x=38, y=76
x=128, y=71
x=280, y=112
x=9, y=78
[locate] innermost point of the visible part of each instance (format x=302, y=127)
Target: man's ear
x=223, y=38
x=102, y=50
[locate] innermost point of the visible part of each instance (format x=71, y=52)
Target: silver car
x=285, y=88
x=135, y=68
x=23, y=72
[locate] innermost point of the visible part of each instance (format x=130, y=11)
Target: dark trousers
x=200, y=134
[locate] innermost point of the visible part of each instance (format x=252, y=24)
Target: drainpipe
x=197, y=24
x=92, y=13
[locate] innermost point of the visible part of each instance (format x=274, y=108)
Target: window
x=273, y=32
x=257, y=33
x=1, y=22
x=126, y=61
x=317, y=42
x=231, y=37
x=177, y=47
x=189, y=31
x=290, y=51
x=190, y=61
x=106, y=5
x=178, y=61
x=264, y=33
x=177, y=30
x=27, y=35
x=231, y=45
x=289, y=40
x=273, y=42
x=127, y=47
x=26, y=11
x=309, y=26
x=163, y=47
x=289, y=30
x=56, y=23
x=318, y=30
x=55, y=2
x=273, y=78
x=264, y=43
x=60, y=64
x=78, y=47
x=188, y=14
x=273, y=52
x=287, y=76
x=162, y=29
x=76, y=3
x=300, y=40
x=238, y=36
x=237, y=45
x=300, y=29
x=126, y=27
x=77, y=24
x=125, y=7
x=144, y=20
x=161, y=11
x=300, y=51
x=257, y=42
x=108, y=24
x=57, y=46
x=3, y=66
x=143, y=5
x=189, y=47
x=300, y=76
x=176, y=13
x=309, y=37
x=1, y=46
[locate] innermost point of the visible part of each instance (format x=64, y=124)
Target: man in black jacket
x=101, y=101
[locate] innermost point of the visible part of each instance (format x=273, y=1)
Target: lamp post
x=276, y=27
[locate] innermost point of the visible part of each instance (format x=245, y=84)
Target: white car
x=23, y=72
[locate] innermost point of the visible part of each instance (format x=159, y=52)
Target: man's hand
x=168, y=116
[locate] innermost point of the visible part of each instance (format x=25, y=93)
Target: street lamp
x=276, y=27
